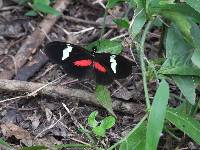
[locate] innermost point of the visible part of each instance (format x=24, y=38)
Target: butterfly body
x=80, y=63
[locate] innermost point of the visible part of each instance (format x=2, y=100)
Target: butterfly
x=81, y=63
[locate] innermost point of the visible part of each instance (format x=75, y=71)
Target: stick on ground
x=68, y=93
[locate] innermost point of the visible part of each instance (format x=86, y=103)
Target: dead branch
x=30, y=68
x=33, y=41
x=61, y=92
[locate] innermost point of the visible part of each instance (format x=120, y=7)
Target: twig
x=33, y=93
x=119, y=36
x=49, y=127
x=45, y=72
x=59, y=91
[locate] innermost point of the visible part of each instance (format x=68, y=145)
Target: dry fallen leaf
x=10, y=129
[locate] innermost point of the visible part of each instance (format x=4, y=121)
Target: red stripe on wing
x=99, y=67
x=83, y=63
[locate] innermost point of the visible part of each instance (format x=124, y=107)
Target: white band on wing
x=66, y=52
x=113, y=63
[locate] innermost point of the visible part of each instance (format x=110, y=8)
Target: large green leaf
x=182, y=22
x=187, y=85
x=180, y=70
x=194, y=4
x=103, y=97
x=136, y=138
x=157, y=116
x=137, y=22
x=181, y=8
x=185, y=123
x=196, y=57
x=178, y=62
x=196, y=36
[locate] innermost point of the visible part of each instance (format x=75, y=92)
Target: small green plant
x=95, y=134
x=99, y=128
x=39, y=6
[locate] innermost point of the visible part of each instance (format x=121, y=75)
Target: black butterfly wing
x=103, y=76
x=117, y=67
x=75, y=60
x=123, y=67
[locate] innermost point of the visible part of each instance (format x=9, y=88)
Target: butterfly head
x=94, y=50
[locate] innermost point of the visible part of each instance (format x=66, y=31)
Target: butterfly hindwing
x=123, y=67
x=117, y=66
x=104, y=76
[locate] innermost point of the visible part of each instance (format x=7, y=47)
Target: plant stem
x=104, y=24
x=143, y=64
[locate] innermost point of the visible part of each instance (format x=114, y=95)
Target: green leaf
x=181, y=8
x=103, y=97
x=108, y=122
x=196, y=57
x=106, y=46
x=182, y=22
x=185, y=123
x=45, y=2
x=181, y=65
x=91, y=119
x=122, y=23
x=135, y=140
x=137, y=22
x=194, y=4
x=45, y=9
x=112, y=3
x=157, y=116
x=175, y=45
x=99, y=131
x=34, y=148
x=5, y=144
x=196, y=36
x=180, y=70
x=31, y=13
x=187, y=85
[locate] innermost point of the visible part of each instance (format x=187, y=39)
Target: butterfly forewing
x=75, y=60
